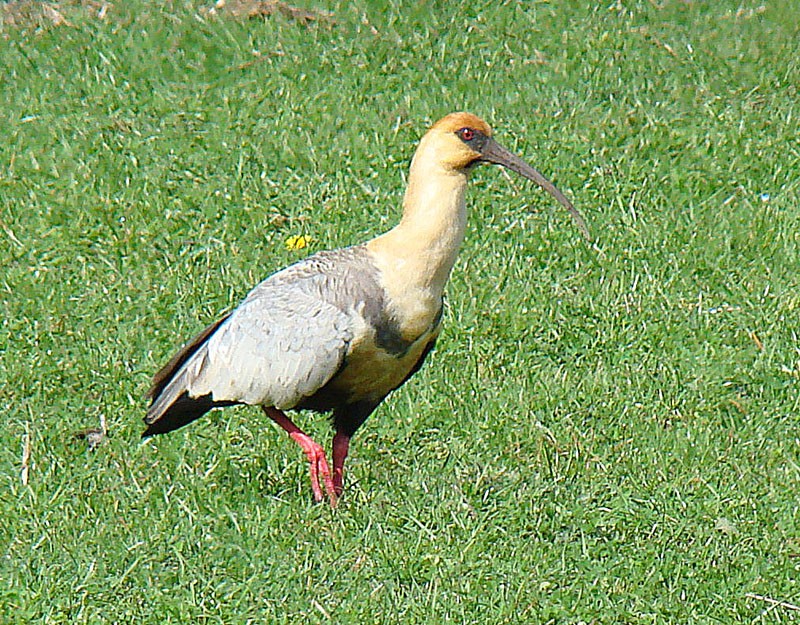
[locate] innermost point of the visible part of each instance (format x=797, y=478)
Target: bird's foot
x=319, y=468
x=314, y=453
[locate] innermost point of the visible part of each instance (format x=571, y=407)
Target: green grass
x=603, y=435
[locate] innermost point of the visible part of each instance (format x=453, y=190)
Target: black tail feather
x=183, y=411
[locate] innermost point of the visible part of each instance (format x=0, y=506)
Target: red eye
x=466, y=134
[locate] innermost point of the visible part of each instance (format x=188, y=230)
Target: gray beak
x=493, y=152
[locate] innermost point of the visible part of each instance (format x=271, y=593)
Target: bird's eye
x=466, y=134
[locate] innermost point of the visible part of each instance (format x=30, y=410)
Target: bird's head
x=460, y=141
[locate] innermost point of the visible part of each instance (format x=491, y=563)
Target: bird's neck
x=415, y=257
x=420, y=251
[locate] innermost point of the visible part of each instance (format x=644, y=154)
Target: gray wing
x=283, y=343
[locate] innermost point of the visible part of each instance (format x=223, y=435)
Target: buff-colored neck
x=420, y=251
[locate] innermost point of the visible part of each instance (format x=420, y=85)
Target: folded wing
x=281, y=345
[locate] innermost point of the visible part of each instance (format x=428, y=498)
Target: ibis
x=340, y=330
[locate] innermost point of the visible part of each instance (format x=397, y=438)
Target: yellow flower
x=297, y=242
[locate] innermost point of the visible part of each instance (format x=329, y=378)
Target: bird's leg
x=313, y=451
x=341, y=443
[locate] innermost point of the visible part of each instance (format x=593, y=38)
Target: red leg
x=313, y=451
x=341, y=443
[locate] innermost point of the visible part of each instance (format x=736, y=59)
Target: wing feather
x=278, y=347
x=282, y=344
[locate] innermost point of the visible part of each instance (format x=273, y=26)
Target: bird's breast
x=371, y=370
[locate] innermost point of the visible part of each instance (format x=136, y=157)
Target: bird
x=338, y=331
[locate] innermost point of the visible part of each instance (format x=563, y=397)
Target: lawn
x=606, y=433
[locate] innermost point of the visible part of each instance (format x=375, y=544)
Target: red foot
x=315, y=454
x=319, y=467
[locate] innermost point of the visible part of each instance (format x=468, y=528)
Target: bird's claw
x=318, y=465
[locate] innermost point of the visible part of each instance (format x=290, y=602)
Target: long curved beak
x=493, y=152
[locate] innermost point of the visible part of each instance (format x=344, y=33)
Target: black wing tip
x=183, y=411
x=156, y=427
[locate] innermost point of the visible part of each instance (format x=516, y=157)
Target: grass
x=603, y=435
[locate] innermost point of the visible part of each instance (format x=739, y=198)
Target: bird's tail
x=172, y=406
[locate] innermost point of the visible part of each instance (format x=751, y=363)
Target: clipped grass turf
x=603, y=435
